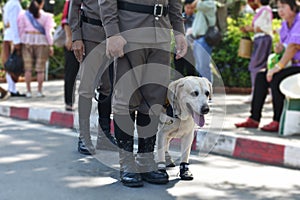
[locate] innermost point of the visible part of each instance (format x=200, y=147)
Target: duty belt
x=157, y=10
x=92, y=21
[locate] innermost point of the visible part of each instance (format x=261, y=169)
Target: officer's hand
x=181, y=46
x=79, y=50
x=115, y=45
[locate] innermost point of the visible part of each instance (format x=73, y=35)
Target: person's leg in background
x=105, y=140
x=94, y=60
x=261, y=50
x=11, y=79
x=259, y=95
x=41, y=55
x=202, y=53
x=278, y=97
x=27, y=53
x=71, y=70
x=6, y=48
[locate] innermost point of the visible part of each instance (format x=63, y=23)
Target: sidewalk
x=224, y=138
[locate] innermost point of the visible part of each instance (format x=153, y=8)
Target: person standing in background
x=71, y=63
x=35, y=28
x=205, y=17
x=11, y=38
x=185, y=66
x=262, y=45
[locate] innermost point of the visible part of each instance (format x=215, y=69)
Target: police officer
x=138, y=34
x=88, y=33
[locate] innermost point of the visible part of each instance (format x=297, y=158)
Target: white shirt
x=11, y=11
x=264, y=22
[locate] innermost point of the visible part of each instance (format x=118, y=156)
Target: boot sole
x=187, y=178
x=141, y=184
x=154, y=181
x=85, y=152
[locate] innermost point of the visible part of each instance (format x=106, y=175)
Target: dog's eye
x=207, y=93
x=195, y=93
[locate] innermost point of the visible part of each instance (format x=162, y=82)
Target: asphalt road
x=39, y=162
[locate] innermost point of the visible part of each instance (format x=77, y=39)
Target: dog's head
x=189, y=97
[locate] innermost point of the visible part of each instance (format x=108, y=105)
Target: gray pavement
x=40, y=162
x=235, y=110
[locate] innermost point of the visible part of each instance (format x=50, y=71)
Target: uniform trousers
x=141, y=80
x=92, y=71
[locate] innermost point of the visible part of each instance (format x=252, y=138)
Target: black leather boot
x=128, y=172
x=185, y=173
x=82, y=148
x=145, y=157
x=105, y=141
x=146, y=164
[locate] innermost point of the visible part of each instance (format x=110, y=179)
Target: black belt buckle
x=158, y=10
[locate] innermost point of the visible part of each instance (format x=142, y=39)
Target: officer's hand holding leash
x=79, y=50
x=181, y=46
x=114, y=46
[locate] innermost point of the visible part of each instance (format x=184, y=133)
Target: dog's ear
x=208, y=83
x=173, y=89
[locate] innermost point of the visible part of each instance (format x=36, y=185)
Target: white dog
x=188, y=99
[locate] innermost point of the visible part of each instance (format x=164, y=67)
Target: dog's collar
x=169, y=109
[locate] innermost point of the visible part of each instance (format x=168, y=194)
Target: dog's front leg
x=186, y=144
x=161, y=148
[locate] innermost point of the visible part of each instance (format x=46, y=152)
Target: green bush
x=234, y=69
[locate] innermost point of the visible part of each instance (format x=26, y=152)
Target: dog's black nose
x=204, y=109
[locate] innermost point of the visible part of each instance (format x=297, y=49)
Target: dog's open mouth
x=198, y=118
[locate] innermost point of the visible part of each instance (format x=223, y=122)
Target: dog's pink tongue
x=199, y=119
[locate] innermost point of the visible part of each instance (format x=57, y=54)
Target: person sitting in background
x=11, y=37
x=35, y=28
x=290, y=44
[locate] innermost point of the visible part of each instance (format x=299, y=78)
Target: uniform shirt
x=25, y=27
x=82, y=30
x=117, y=20
x=291, y=36
x=11, y=11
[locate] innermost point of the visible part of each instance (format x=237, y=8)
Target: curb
x=45, y=116
x=236, y=147
x=248, y=149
